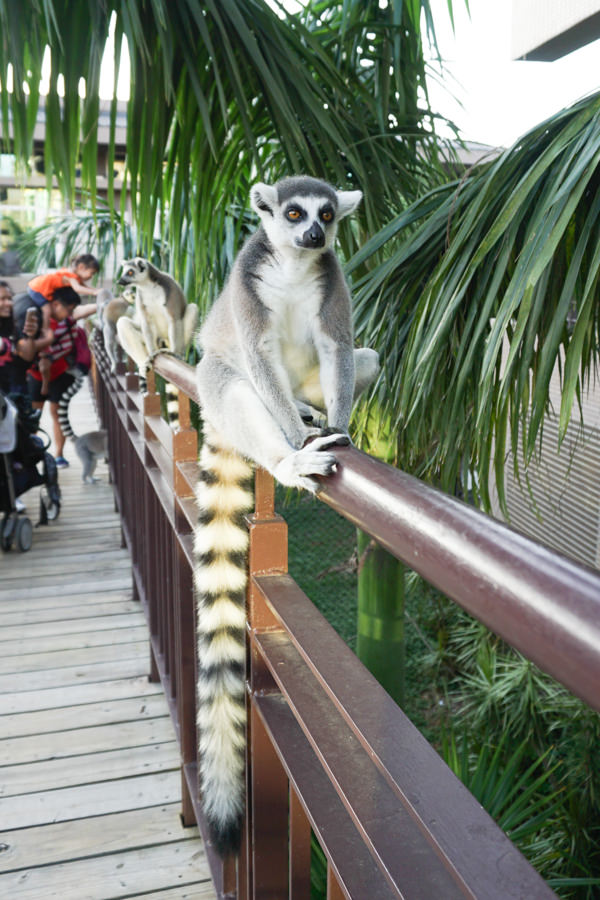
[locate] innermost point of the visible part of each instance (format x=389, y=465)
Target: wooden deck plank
x=131, y=667
x=90, y=779
x=111, y=833
x=65, y=627
x=29, y=778
x=192, y=892
x=45, y=601
x=84, y=740
x=111, y=876
x=65, y=804
x=108, y=712
x=115, y=582
x=76, y=656
x=99, y=563
x=49, y=643
x=56, y=612
x=91, y=692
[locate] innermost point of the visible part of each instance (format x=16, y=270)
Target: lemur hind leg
x=237, y=411
x=176, y=337
x=190, y=324
x=309, y=397
x=132, y=341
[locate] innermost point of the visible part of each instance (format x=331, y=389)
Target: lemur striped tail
x=63, y=406
x=172, y=402
x=224, y=495
x=171, y=398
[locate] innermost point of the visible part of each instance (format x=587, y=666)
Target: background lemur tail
x=63, y=406
x=224, y=495
x=172, y=400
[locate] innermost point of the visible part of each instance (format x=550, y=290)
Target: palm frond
x=333, y=91
x=483, y=272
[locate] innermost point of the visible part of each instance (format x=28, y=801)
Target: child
x=65, y=308
x=41, y=290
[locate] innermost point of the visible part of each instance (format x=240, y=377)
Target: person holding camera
x=19, y=343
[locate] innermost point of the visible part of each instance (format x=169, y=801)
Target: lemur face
x=134, y=271
x=308, y=222
x=302, y=213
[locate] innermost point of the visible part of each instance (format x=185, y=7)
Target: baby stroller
x=22, y=454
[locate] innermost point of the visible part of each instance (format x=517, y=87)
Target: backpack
x=81, y=351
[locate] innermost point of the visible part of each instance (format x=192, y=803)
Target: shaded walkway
x=89, y=767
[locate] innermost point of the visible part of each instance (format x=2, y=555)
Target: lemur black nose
x=315, y=236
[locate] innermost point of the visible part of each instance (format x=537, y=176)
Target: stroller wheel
x=23, y=534
x=8, y=531
x=51, y=504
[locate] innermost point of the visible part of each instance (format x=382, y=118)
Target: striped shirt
x=59, y=349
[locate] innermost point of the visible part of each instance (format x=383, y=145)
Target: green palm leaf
x=484, y=272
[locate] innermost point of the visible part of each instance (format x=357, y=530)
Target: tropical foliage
x=223, y=93
x=488, y=283
x=522, y=744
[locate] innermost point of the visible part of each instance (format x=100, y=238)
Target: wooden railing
x=328, y=751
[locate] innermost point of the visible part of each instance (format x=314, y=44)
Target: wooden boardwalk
x=89, y=766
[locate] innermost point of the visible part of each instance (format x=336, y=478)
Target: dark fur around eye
x=327, y=214
x=294, y=214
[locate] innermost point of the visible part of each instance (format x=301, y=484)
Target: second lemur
x=163, y=321
x=278, y=364
x=91, y=446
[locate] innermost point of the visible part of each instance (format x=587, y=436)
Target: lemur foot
x=313, y=459
x=159, y=352
x=311, y=416
x=342, y=440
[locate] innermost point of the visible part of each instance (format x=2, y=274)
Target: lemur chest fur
x=293, y=293
x=152, y=298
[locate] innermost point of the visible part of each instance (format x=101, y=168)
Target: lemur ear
x=263, y=198
x=347, y=202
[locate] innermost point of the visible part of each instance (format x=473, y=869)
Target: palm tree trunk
x=380, y=629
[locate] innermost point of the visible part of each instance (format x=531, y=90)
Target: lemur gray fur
x=92, y=445
x=163, y=320
x=109, y=310
x=278, y=363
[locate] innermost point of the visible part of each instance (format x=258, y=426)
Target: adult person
x=19, y=343
x=65, y=308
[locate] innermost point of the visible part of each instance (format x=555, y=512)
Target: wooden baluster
x=265, y=852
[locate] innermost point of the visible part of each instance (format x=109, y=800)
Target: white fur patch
x=221, y=575
x=223, y=499
x=222, y=613
x=223, y=648
x=229, y=467
x=221, y=535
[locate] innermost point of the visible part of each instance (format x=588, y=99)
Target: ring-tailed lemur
x=65, y=399
x=278, y=361
x=109, y=310
x=163, y=321
x=89, y=446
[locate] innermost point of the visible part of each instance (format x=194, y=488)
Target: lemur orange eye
x=294, y=214
x=327, y=215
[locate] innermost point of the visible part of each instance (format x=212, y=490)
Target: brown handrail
x=543, y=604
x=328, y=749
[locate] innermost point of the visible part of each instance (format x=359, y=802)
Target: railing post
x=185, y=450
x=265, y=851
